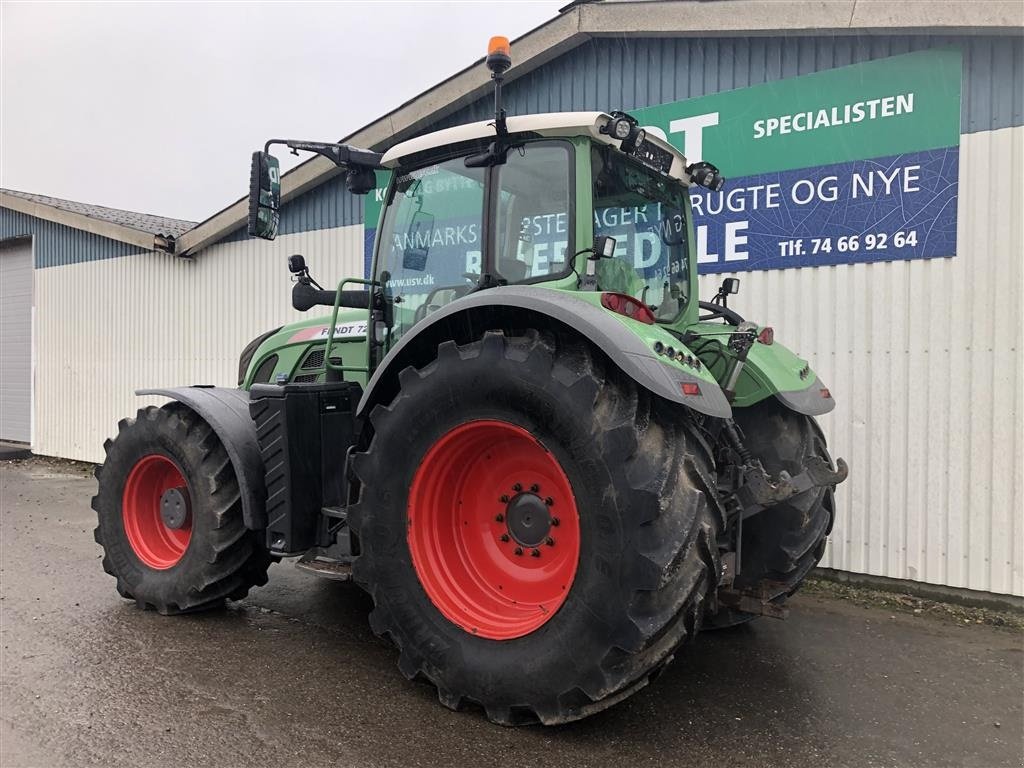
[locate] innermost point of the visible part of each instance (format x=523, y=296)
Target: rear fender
x=773, y=369
x=522, y=307
x=227, y=412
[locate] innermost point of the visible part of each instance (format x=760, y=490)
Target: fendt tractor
x=547, y=462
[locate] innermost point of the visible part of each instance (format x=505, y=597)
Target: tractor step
x=325, y=567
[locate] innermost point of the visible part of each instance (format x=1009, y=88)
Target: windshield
x=645, y=212
x=430, y=244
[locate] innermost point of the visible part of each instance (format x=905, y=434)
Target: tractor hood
x=290, y=343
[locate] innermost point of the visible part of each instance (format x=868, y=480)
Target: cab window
x=645, y=212
x=534, y=227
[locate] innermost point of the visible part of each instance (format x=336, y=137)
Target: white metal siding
x=16, y=341
x=924, y=360
x=109, y=327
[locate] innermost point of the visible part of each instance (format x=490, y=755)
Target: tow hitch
x=758, y=492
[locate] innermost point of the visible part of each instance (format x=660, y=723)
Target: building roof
x=142, y=229
x=144, y=222
x=581, y=22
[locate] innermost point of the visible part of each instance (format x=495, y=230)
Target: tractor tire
x=785, y=542
x=170, y=515
x=536, y=533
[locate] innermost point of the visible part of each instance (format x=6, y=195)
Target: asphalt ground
x=293, y=676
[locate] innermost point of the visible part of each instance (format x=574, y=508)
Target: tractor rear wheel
x=537, y=534
x=170, y=515
x=783, y=543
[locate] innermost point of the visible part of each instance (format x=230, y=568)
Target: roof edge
x=119, y=232
x=581, y=23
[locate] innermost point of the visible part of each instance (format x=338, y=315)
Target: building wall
x=110, y=326
x=923, y=356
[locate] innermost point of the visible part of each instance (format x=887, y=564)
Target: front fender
x=627, y=350
x=227, y=412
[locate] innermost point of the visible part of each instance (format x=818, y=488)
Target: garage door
x=16, y=341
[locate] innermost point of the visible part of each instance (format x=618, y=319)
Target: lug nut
x=504, y=499
x=554, y=522
x=517, y=487
x=534, y=488
x=535, y=553
x=549, y=541
x=499, y=518
x=519, y=550
x=549, y=501
x=504, y=537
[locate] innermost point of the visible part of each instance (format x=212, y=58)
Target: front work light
x=706, y=175
x=620, y=129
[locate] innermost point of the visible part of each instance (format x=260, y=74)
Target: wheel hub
x=479, y=522
x=174, y=507
x=529, y=521
x=156, y=511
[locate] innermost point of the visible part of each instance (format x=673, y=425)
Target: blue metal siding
x=57, y=245
x=622, y=73
x=325, y=207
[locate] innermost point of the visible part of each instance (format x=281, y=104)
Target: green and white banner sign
x=859, y=163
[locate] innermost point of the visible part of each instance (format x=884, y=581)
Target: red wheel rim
x=485, y=491
x=155, y=544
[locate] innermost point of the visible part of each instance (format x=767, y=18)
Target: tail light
x=690, y=388
x=627, y=306
x=767, y=335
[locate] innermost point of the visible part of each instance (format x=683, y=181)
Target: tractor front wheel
x=536, y=533
x=170, y=515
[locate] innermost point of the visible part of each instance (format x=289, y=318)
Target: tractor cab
x=451, y=226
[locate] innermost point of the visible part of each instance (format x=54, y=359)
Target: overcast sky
x=156, y=107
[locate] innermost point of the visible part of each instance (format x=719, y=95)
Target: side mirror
x=730, y=285
x=264, y=196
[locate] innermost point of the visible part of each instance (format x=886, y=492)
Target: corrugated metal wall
x=110, y=326
x=924, y=359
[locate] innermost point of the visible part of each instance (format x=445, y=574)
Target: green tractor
x=524, y=436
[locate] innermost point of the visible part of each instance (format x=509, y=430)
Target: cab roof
x=550, y=124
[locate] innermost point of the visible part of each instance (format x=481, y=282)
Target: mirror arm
x=342, y=155
x=305, y=297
